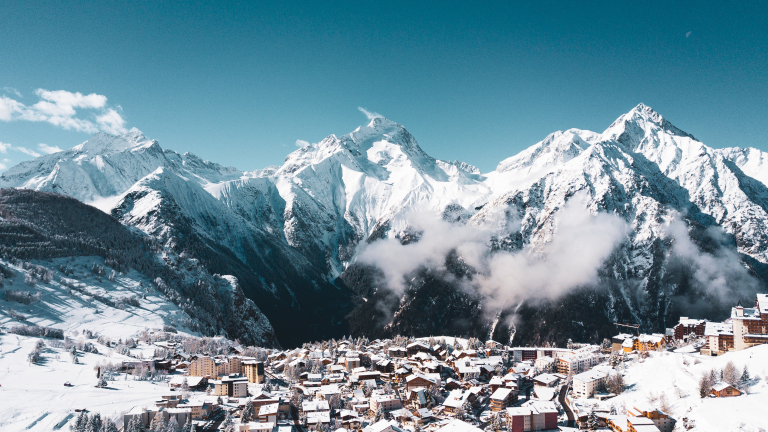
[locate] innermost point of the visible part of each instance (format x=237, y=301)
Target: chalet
x=423, y=416
x=465, y=353
x=198, y=410
x=501, y=398
x=455, y=400
x=495, y=383
x=268, y=413
x=350, y=419
x=662, y=421
x=458, y=426
x=397, y=352
x=317, y=419
x=383, y=426
x=385, y=366
x=417, y=398
x=546, y=380
x=315, y=406
x=421, y=380
x=193, y=382
x=416, y=347
x=402, y=415
x=617, y=342
x=724, y=390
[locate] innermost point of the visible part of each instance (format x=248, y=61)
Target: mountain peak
x=103, y=143
x=631, y=128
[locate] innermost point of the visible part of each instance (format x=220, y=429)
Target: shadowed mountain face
x=338, y=239
x=43, y=225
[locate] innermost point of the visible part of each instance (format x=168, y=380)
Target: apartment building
x=750, y=325
x=532, y=416
x=253, y=370
x=587, y=383
x=385, y=403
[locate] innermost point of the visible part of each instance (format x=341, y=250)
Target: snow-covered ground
x=79, y=308
x=33, y=396
x=675, y=377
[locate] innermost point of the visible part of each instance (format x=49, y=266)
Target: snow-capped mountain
x=292, y=234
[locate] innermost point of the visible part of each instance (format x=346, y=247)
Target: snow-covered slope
x=672, y=379
x=288, y=232
x=83, y=300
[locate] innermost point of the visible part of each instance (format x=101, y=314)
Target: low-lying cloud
x=721, y=274
x=580, y=244
x=572, y=256
x=61, y=108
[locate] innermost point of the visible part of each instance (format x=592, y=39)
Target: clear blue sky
x=240, y=83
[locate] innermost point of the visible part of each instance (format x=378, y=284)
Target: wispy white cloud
x=27, y=151
x=12, y=90
x=301, y=143
x=45, y=148
x=688, y=34
x=370, y=114
x=60, y=108
x=4, y=147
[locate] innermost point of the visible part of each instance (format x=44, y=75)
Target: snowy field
x=675, y=377
x=33, y=396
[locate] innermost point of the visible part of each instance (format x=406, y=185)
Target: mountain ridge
x=291, y=233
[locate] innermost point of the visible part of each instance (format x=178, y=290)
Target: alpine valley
x=290, y=239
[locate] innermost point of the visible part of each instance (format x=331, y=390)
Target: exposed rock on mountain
x=696, y=227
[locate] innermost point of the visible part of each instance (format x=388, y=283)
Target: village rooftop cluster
x=405, y=384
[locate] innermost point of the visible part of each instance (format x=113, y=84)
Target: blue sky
x=240, y=83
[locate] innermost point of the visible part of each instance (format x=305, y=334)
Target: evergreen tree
x=158, y=423
x=94, y=423
x=592, y=421
x=80, y=423
x=248, y=412
x=745, y=375
x=108, y=426
x=135, y=425
x=102, y=383
x=229, y=424
x=172, y=426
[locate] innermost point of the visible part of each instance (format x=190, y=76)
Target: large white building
x=586, y=383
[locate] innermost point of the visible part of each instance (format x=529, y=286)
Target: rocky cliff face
x=688, y=223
